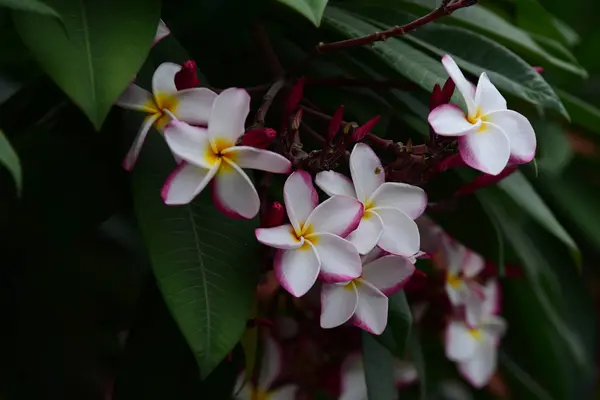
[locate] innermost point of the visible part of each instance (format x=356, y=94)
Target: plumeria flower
x=212, y=153
x=270, y=369
x=463, y=265
x=164, y=104
x=363, y=300
x=475, y=348
x=354, y=384
x=390, y=207
x=313, y=243
x=489, y=133
x=162, y=31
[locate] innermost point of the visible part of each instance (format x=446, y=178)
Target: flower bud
x=297, y=120
x=452, y=161
x=436, y=97
x=360, y=132
x=187, y=77
x=484, y=180
x=295, y=96
x=448, y=91
x=335, y=123
x=261, y=138
x=539, y=70
x=274, y=215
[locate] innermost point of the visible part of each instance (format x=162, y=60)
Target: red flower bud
x=484, y=180
x=187, y=77
x=448, y=91
x=360, y=132
x=436, y=97
x=274, y=215
x=417, y=282
x=452, y=161
x=260, y=138
x=295, y=96
x=335, y=123
x=539, y=69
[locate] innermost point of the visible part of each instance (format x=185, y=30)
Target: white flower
x=363, y=301
x=212, y=153
x=489, y=134
x=475, y=348
x=313, y=243
x=354, y=385
x=270, y=369
x=162, y=31
x=164, y=104
x=390, y=207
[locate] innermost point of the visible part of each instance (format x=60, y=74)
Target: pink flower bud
x=274, y=216
x=360, y=132
x=260, y=138
x=484, y=180
x=448, y=91
x=295, y=96
x=187, y=77
x=539, y=69
x=335, y=123
x=436, y=97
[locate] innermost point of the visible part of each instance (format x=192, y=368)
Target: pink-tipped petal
x=368, y=233
x=388, y=274
x=287, y=392
x=190, y=143
x=450, y=120
x=138, y=99
x=520, y=134
x=339, y=215
x=366, y=170
x=338, y=303
x=353, y=383
x=229, y=112
x=457, y=293
x=454, y=253
x=334, y=183
x=279, y=237
x=134, y=151
x=373, y=255
x=495, y=327
x=300, y=198
x=460, y=344
x=472, y=296
x=297, y=270
x=405, y=373
x=478, y=370
x=185, y=183
x=163, y=80
x=400, y=233
x=270, y=366
x=340, y=261
x=372, y=309
x=491, y=300
x=194, y=105
x=486, y=151
x=473, y=264
x=462, y=84
x=410, y=199
x=487, y=97
x=162, y=31
x=262, y=160
x=234, y=192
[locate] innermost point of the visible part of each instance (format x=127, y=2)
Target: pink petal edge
x=164, y=191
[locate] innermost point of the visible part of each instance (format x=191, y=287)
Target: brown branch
x=267, y=101
x=352, y=82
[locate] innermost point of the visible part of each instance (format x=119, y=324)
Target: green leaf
x=526, y=380
x=205, y=263
x=418, y=358
x=582, y=113
x=533, y=17
x=310, y=9
x=379, y=369
x=96, y=52
x=554, y=150
x=35, y=6
x=396, y=333
x=10, y=159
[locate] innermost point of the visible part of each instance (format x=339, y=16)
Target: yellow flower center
x=258, y=394
x=159, y=104
x=476, y=333
x=454, y=280
x=478, y=116
x=353, y=283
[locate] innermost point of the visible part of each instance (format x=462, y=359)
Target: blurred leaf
x=582, y=113
x=81, y=55
x=533, y=17
x=205, y=263
x=10, y=159
x=397, y=331
x=379, y=369
x=555, y=151
x=534, y=388
x=35, y=6
x=249, y=344
x=310, y=9
x=571, y=37
x=416, y=355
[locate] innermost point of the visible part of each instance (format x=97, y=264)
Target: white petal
x=404, y=372
x=234, y=193
x=457, y=294
x=242, y=390
x=472, y=264
x=454, y=254
x=487, y=97
x=229, y=112
x=462, y=84
x=193, y=105
x=473, y=299
x=270, y=367
x=287, y=392
x=450, y=120
x=388, y=274
x=138, y=99
x=334, y=183
x=134, y=151
x=366, y=170
x=487, y=150
x=161, y=31
x=460, y=344
x=185, y=183
x=410, y=199
x=478, y=370
x=338, y=303
x=297, y=270
x=372, y=255
x=190, y=143
x=163, y=80
x=353, y=385
x=300, y=198
x=368, y=233
x=280, y=237
x=262, y=160
x=340, y=261
x=430, y=233
x=372, y=309
x=339, y=215
x=491, y=302
x=495, y=327
x=400, y=233
x=520, y=133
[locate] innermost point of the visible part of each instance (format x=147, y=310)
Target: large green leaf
x=205, y=263
x=582, y=113
x=98, y=50
x=554, y=150
x=395, y=335
x=476, y=54
x=310, y=9
x=533, y=17
x=379, y=369
x=36, y=6
x=10, y=159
